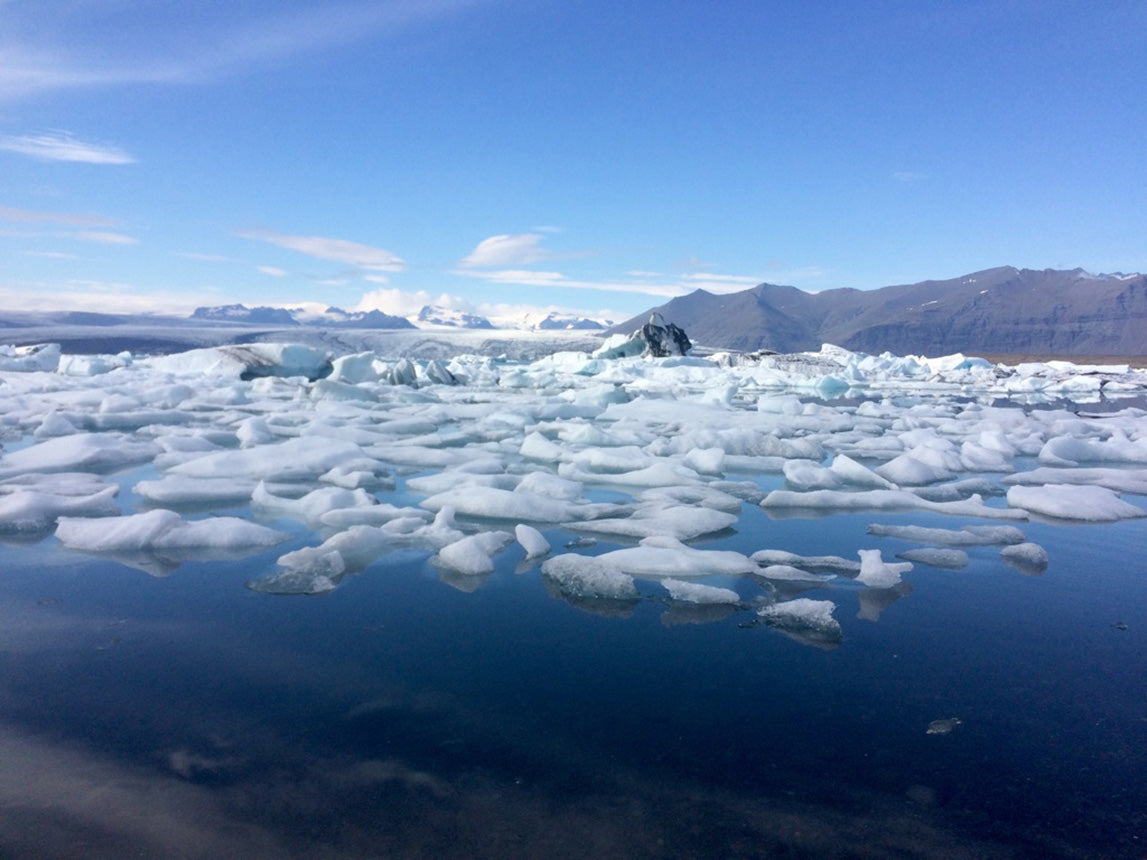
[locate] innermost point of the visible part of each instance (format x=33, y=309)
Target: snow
x=953, y=559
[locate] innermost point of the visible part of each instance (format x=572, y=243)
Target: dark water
x=401, y=716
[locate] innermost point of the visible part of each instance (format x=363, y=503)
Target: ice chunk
x=247, y=361
x=472, y=555
x=28, y=359
x=706, y=461
x=374, y=515
x=857, y=474
x=877, y=573
x=93, y=452
x=1027, y=557
x=967, y=536
x=809, y=475
x=302, y=458
x=876, y=500
x=311, y=507
x=531, y=540
x=667, y=557
x=498, y=504
x=814, y=563
x=1125, y=480
x=682, y=522
x=348, y=551
x=31, y=511
x=788, y=573
x=1072, y=502
x=162, y=529
x=588, y=577
x=803, y=615
x=693, y=592
x=178, y=490
x=953, y=559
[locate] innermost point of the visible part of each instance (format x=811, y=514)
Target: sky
x=597, y=157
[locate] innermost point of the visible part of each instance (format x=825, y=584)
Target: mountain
x=556, y=321
x=1002, y=310
x=332, y=317
x=244, y=314
x=434, y=315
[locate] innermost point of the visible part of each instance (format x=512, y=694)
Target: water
x=400, y=716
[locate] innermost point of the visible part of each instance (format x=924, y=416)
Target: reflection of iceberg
x=810, y=622
x=696, y=613
x=873, y=601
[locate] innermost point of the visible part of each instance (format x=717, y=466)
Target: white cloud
x=50, y=255
x=506, y=250
x=337, y=250
x=743, y=281
x=105, y=237
x=206, y=258
x=32, y=216
x=404, y=304
x=92, y=295
x=62, y=146
x=530, y=278
x=273, y=271
x=84, y=48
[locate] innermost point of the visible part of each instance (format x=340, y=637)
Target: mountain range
x=998, y=311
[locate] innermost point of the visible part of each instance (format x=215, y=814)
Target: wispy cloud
x=556, y=280
x=63, y=146
x=87, y=47
x=366, y=257
x=506, y=250
x=273, y=271
x=206, y=258
x=32, y=216
x=50, y=255
x=105, y=237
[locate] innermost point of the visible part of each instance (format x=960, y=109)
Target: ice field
x=744, y=505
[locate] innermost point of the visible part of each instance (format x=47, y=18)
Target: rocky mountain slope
x=1002, y=310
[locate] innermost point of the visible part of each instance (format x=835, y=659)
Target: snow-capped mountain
x=436, y=315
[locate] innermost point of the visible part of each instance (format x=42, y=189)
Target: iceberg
x=1073, y=502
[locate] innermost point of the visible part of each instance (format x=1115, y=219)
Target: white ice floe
x=589, y=578
x=498, y=504
x=877, y=500
x=789, y=573
x=682, y=522
x=162, y=529
x=658, y=557
x=247, y=361
x=811, y=563
x=1029, y=557
x=532, y=540
x=473, y=555
x=967, y=536
x=1073, y=502
x=310, y=508
x=93, y=452
x=1124, y=480
x=693, y=592
x=953, y=559
x=31, y=511
x=875, y=572
x=803, y=614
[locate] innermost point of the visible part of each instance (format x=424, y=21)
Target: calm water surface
x=413, y=714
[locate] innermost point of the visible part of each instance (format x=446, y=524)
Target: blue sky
x=592, y=156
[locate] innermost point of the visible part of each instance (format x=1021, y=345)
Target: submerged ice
x=655, y=462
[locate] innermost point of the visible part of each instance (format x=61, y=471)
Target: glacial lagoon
x=707, y=673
